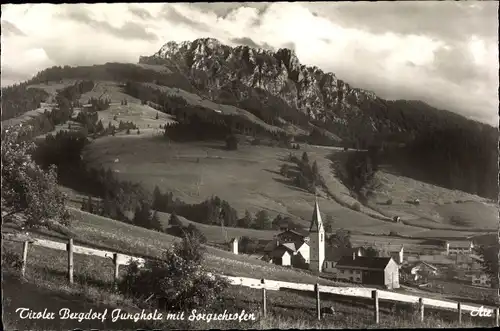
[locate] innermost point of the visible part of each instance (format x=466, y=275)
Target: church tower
x=316, y=241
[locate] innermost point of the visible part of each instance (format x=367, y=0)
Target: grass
x=439, y=208
x=108, y=234
x=46, y=287
x=218, y=234
x=248, y=178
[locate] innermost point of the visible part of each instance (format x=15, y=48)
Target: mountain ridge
x=225, y=74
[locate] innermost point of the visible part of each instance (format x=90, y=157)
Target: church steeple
x=316, y=221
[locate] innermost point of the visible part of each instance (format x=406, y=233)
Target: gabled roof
x=461, y=243
x=316, y=221
x=363, y=262
x=293, y=246
x=426, y=264
x=334, y=254
x=271, y=245
x=298, y=233
x=279, y=252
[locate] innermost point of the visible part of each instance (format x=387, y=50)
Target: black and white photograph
x=250, y=165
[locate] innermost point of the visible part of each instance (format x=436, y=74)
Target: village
x=390, y=267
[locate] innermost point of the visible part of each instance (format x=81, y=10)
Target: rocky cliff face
x=322, y=97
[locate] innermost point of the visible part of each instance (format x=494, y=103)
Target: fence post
x=117, y=270
x=421, y=308
x=264, y=303
x=497, y=317
x=70, y=260
x=25, y=257
x=375, y=305
x=459, y=307
x=318, y=303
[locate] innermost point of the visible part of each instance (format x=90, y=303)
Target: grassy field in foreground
x=46, y=286
x=117, y=236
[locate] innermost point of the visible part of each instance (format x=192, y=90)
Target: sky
x=443, y=53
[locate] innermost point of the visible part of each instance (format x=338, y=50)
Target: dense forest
x=464, y=158
x=19, y=99
x=120, y=72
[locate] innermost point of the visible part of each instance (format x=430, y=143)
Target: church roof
x=316, y=221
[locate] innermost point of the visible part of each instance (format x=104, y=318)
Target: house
x=423, y=270
x=298, y=248
x=295, y=245
x=334, y=254
x=281, y=256
x=468, y=261
x=291, y=236
x=369, y=270
x=459, y=247
x=481, y=279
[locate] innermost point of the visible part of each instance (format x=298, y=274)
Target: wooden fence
x=264, y=284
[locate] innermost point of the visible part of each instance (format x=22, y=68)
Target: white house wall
x=304, y=250
x=286, y=260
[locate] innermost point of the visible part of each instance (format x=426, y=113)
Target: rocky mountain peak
x=212, y=66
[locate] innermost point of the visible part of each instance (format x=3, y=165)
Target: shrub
x=356, y=206
x=174, y=220
x=389, y=202
x=11, y=260
x=128, y=131
x=179, y=278
x=284, y=170
x=232, y=142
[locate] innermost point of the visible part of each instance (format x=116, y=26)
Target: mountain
x=272, y=92
x=254, y=78
x=273, y=85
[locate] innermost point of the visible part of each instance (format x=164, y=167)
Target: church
x=308, y=251
x=299, y=249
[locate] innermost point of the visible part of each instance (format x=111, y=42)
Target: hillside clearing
x=248, y=178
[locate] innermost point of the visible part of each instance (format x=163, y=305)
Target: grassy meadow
x=46, y=286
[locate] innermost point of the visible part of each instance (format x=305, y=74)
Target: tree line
x=462, y=158
x=305, y=175
x=19, y=99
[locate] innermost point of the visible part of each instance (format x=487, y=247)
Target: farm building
x=369, y=270
x=468, y=261
x=459, y=247
x=432, y=259
x=292, y=236
x=423, y=270
x=481, y=279
x=281, y=256
x=289, y=243
x=334, y=254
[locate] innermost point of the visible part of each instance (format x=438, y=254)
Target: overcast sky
x=444, y=53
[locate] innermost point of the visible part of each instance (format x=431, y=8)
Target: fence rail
x=263, y=284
